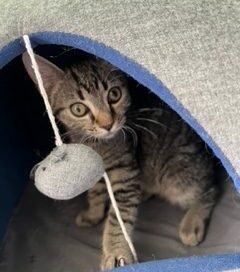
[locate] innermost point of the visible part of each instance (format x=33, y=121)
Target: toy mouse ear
x=50, y=73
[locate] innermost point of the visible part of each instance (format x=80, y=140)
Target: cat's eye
x=79, y=109
x=114, y=95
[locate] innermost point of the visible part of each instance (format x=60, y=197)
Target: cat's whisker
x=62, y=53
x=91, y=140
x=85, y=138
x=134, y=136
x=133, y=133
x=73, y=132
x=124, y=134
x=67, y=135
x=149, y=109
x=95, y=140
x=152, y=121
x=145, y=129
x=145, y=111
x=73, y=129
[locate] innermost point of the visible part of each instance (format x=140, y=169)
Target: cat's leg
x=199, y=205
x=188, y=182
x=115, y=249
x=193, y=225
x=97, y=199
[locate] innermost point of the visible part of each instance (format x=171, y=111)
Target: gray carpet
x=43, y=237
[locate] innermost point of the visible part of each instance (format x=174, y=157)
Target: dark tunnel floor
x=43, y=237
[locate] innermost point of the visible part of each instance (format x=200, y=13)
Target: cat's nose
x=108, y=126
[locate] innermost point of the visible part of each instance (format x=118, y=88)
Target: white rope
x=119, y=218
x=59, y=141
x=28, y=46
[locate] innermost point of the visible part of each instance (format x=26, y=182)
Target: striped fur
x=168, y=159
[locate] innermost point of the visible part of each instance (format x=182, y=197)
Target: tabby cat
x=167, y=158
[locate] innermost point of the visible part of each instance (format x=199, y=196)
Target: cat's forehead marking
x=105, y=85
x=95, y=82
x=98, y=76
x=76, y=78
x=93, y=77
x=80, y=94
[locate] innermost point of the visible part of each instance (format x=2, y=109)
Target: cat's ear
x=50, y=73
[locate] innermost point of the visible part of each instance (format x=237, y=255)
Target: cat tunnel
x=185, y=52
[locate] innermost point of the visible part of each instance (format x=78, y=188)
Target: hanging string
x=118, y=215
x=59, y=141
x=43, y=92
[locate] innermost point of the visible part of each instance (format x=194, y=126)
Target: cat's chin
x=108, y=135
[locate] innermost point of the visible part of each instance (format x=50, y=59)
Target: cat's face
x=90, y=99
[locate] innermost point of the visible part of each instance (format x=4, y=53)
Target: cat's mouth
x=108, y=134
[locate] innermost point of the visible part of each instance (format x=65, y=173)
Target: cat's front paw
x=116, y=258
x=88, y=218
